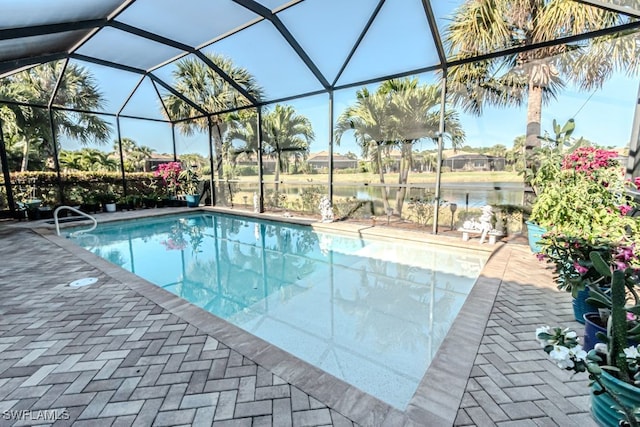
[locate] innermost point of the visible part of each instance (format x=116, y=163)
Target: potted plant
x=74, y=202
x=160, y=200
x=585, y=208
x=129, y=203
x=27, y=193
x=573, y=270
x=169, y=174
x=613, y=366
x=543, y=165
x=588, y=188
x=148, y=201
x=189, y=182
x=108, y=201
x=90, y=202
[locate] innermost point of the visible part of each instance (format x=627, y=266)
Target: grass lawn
x=390, y=178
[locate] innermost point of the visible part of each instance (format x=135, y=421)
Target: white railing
x=79, y=212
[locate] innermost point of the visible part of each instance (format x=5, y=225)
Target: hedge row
x=78, y=186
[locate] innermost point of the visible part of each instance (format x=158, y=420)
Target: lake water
x=471, y=194
x=466, y=194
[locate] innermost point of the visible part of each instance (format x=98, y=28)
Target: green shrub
x=347, y=171
x=311, y=198
x=246, y=170
x=421, y=210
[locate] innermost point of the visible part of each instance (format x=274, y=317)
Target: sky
x=326, y=30
x=604, y=117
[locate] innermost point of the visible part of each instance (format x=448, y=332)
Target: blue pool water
x=372, y=313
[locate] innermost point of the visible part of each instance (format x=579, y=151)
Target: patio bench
x=493, y=234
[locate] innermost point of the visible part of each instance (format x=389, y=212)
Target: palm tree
x=515, y=156
x=77, y=90
x=242, y=128
x=133, y=154
x=206, y=88
x=193, y=160
x=92, y=159
x=286, y=135
x=428, y=161
x=415, y=114
x=87, y=159
x=69, y=160
x=17, y=121
x=8, y=119
x=400, y=113
x=535, y=76
x=368, y=119
x=498, y=150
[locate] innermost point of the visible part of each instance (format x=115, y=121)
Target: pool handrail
x=79, y=212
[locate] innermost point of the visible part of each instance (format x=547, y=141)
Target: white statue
x=485, y=218
x=481, y=225
x=325, y=209
x=256, y=203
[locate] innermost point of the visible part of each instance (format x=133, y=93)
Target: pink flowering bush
x=570, y=259
x=170, y=174
x=586, y=210
x=588, y=198
x=590, y=160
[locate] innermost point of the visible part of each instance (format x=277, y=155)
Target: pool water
x=372, y=313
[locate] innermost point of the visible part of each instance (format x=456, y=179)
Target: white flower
x=571, y=334
x=578, y=353
x=601, y=348
x=561, y=356
x=631, y=352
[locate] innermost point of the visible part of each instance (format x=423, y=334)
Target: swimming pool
x=370, y=312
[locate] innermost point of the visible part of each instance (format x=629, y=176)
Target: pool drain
x=83, y=282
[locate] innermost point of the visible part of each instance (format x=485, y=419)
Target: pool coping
x=439, y=394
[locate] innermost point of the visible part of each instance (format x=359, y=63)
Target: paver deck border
x=440, y=392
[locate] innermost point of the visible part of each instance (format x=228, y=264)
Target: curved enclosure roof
x=292, y=48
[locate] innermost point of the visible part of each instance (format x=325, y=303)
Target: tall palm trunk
x=403, y=176
x=534, y=117
x=385, y=192
x=276, y=174
x=217, y=140
x=25, y=156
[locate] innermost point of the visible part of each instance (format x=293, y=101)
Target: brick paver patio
x=512, y=382
x=110, y=354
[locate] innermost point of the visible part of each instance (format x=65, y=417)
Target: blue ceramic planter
x=580, y=306
x=590, y=330
x=193, y=200
x=534, y=233
x=603, y=407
